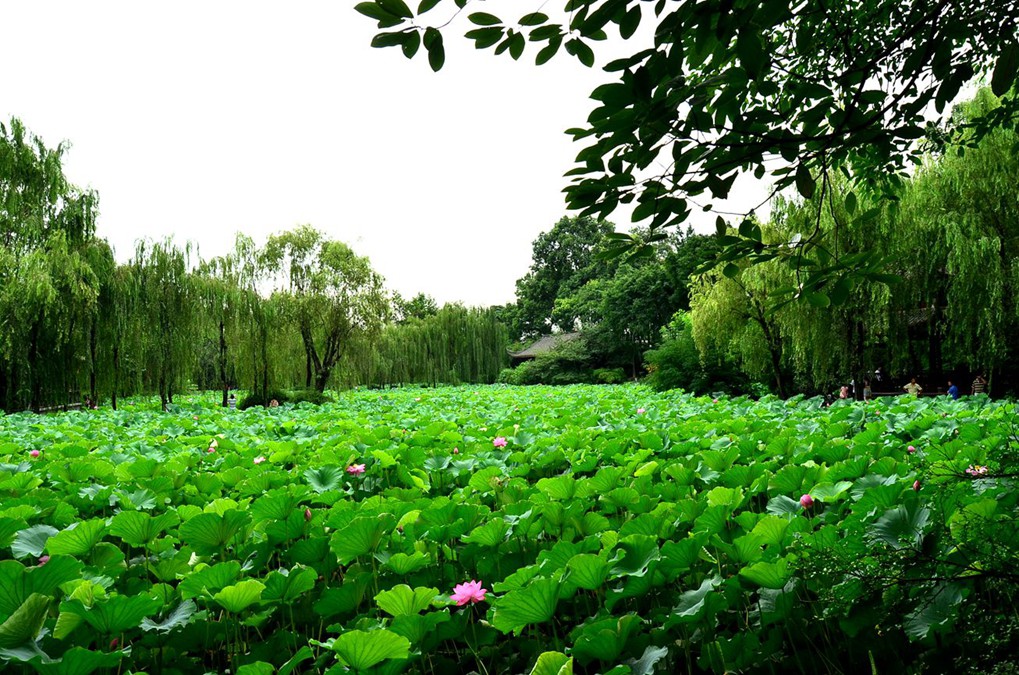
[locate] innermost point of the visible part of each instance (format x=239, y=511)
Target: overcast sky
x=202, y=119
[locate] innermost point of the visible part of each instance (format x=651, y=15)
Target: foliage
x=563, y=261
x=677, y=364
x=331, y=294
x=952, y=242
x=786, y=91
x=454, y=345
x=612, y=528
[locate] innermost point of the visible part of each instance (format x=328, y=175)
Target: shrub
x=677, y=364
x=312, y=396
x=253, y=399
x=610, y=375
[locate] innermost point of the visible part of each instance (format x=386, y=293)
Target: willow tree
x=221, y=295
x=956, y=240
x=48, y=290
x=166, y=296
x=333, y=296
x=732, y=315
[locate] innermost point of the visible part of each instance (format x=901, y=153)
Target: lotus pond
x=600, y=529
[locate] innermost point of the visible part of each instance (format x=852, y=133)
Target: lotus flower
x=456, y=451
x=916, y=485
x=211, y=449
x=806, y=501
x=470, y=591
x=43, y=560
x=355, y=469
x=307, y=515
x=977, y=470
x=259, y=459
x=911, y=449
x=33, y=454
x=499, y=442
x=641, y=411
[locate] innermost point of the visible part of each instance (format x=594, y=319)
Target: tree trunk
x=222, y=364
x=322, y=379
x=307, y=369
x=93, y=395
x=116, y=374
x=35, y=389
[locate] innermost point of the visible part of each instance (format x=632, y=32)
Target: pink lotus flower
x=211, y=449
x=806, y=501
x=641, y=411
x=714, y=400
x=911, y=449
x=916, y=486
x=470, y=591
x=499, y=442
x=976, y=470
x=259, y=459
x=307, y=515
x=34, y=454
x=355, y=469
x=194, y=417
x=456, y=451
x=113, y=643
x=43, y=560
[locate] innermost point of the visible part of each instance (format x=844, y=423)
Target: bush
x=312, y=396
x=610, y=375
x=253, y=399
x=676, y=364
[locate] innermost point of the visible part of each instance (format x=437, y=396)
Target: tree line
x=302, y=311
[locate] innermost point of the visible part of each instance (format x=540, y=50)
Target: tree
x=167, y=299
x=334, y=296
x=421, y=306
x=785, y=90
x=563, y=261
x=48, y=287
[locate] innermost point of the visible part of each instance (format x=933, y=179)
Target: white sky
x=202, y=119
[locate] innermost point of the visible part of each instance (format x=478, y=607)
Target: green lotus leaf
x=360, y=537
x=534, y=604
x=361, y=650
x=588, y=571
x=138, y=528
x=604, y=639
x=115, y=614
x=78, y=661
x=773, y=575
x=416, y=627
x=402, y=600
x=285, y=586
x=240, y=596
x=22, y=627
x=211, y=533
x=179, y=617
x=553, y=663
x=77, y=539
x=31, y=541
x=208, y=581
x=491, y=534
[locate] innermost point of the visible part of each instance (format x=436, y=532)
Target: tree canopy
x=785, y=90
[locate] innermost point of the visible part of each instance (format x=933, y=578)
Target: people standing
x=953, y=391
x=867, y=392
x=913, y=389
x=979, y=385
